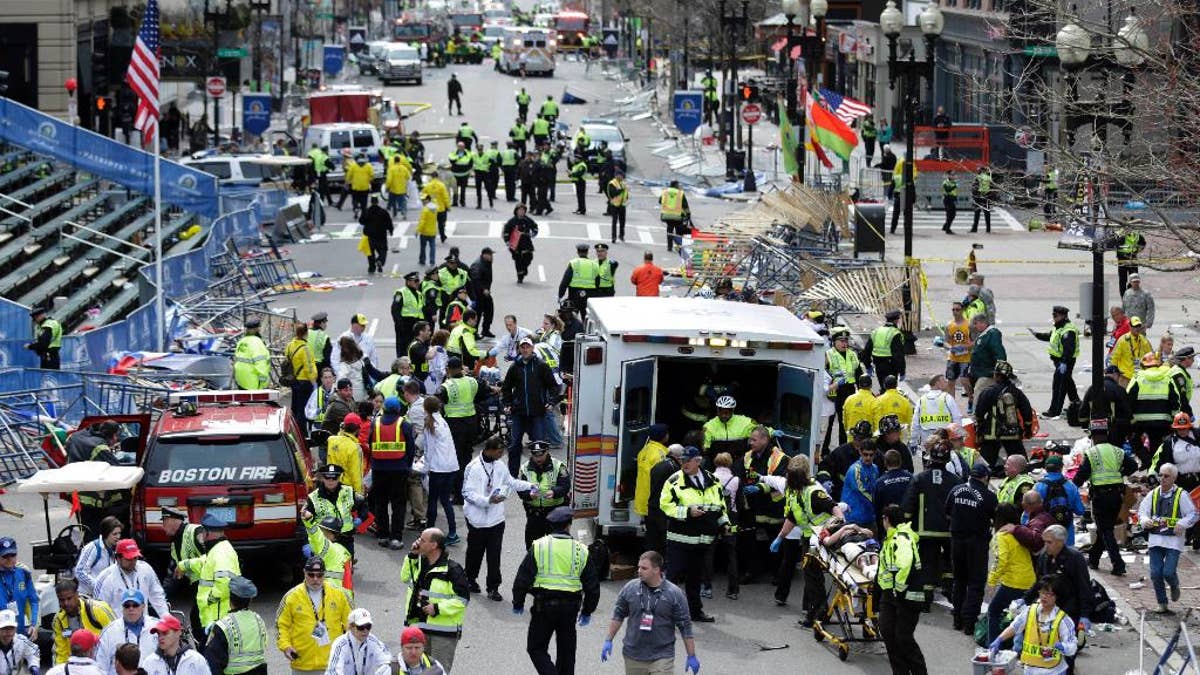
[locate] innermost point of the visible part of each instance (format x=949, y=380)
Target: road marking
x=495, y=229
x=593, y=231
x=404, y=242
x=541, y=274
x=645, y=237
x=544, y=231
x=348, y=230
x=372, y=327
x=395, y=269
x=1013, y=223
x=451, y=227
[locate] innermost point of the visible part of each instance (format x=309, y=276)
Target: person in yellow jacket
x=900, y=592
x=299, y=356
x=860, y=406
x=898, y=191
x=252, y=359
x=436, y=190
x=653, y=452
x=728, y=431
x=427, y=229
x=1128, y=351
x=74, y=608
x=399, y=172
x=344, y=450
x=359, y=175
x=892, y=402
x=305, y=630
x=694, y=503
x=213, y=570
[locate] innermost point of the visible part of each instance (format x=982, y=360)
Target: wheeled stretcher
x=849, y=614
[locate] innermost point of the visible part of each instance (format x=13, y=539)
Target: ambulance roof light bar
x=225, y=396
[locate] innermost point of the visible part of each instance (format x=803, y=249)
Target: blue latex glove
x=776, y=544
x=1086, y=623
x=871, y=371
x=1058, y=646
x=752, y=489
x=1062, y=369
x=606, y=650
x=307, y=551
x=995, y=646
x=1127, y=448
x=585, y=619
x=357, y=522
x=518, y=611
x=693, y=664
x=778, y=433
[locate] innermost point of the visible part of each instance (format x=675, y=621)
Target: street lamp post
x=812, y=47
x=733, y=21
x=1075, y=53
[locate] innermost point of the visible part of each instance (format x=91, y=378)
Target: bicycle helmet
x=727, y=402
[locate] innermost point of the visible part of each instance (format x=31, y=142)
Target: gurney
x=849, y=614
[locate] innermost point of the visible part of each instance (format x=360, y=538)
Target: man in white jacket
x=81, y=662
x=20, y=654
x=172, y=657
x=131, y=572
x=358, y=651
x=486, y=484
x=507, y=343
x=131, y=627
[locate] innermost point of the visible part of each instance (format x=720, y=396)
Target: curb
x=1152, y=639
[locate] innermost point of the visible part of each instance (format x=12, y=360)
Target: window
x=220, y=460
x=364, y=138
x=338, y=140
x=795, y=414
x=637, y=407
x=219, y=169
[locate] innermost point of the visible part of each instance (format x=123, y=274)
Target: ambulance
x=533, y=48
x=646, y=360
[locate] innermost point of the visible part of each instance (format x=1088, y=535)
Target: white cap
x=360, y=617
x=8, y=619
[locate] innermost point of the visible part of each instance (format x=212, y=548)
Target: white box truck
x=644, y=360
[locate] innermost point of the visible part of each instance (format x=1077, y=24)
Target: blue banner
x=689, y=110
x=256, y=113
x=188, y=189
x=16, y=331
x=335, y=58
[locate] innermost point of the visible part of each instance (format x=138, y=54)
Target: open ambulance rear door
x=794, y=417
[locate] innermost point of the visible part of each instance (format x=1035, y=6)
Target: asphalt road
x=751, y=634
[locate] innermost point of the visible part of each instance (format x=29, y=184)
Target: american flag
x=846, y=108
x=142, y=75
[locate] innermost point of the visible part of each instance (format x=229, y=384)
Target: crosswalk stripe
x=593, y=231
x=495, y=229
x=645, y=237
x=348, y=230
x=567, y=230
x=542, y=273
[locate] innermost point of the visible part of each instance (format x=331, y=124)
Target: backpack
x=1104, y=610
x=1057, y=503
x=287, y=372
x=1008, y=417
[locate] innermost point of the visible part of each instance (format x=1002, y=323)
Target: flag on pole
x=787, y=141
x=829, y=131
x=846, y=108
x=142, y=75
x=814, y=143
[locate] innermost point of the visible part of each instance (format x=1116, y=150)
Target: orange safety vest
x=388, y=443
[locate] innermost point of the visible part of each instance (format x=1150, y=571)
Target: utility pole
x=259, y=6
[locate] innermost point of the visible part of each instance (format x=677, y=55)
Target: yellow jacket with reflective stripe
x=252, y=363
x=344, y=450
x=214, y=570
x=296, y=618
x=679, y=495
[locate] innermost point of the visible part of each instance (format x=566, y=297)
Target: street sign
x=334, y=59
x=688, y=107
x=215, y=86
x=752, y=113
x=1040, y=50
x=231, y=53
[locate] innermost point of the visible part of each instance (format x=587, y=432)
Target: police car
x=237, y=455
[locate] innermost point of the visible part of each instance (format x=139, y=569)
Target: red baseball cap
x=128, y=549
x=352, y=418
x=412, y=635
x=84, y=639
x=168, y=622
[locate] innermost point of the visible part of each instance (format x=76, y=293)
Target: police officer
x=252, y=359
x=213, y=570
x=523, y=99
x=565, y=584
x=461, y=160
x=981, y=197
x=49, y=339
x=694, y=504
x=949, y=200
x=970, y=506
x=712, y=99
x=187, y=539
x=481, y=162
x=408, y=307
x=606, y=271
x=333, y=498
x=885, y=349
x=674, y=210
x=552, y=484
x=320, y=169
x=844, y=369
x=318, y=341
x=540, y=129
x=323, y=543
x=509, y=157
x=901, y=597
x=617, y=192
x=549, y=109
x=467, y=136
x=925, y=501
x=1104, y=464
x=458, y=393
x=578, y=176
x=1049, y=189
x=237, y=643
x=579, y=280
x=1063, y=350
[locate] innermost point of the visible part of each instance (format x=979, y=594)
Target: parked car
x=369, y=58
x=345, y=138
x=401, y=62
x=605, y=130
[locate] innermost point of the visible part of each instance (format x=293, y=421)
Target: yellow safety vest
x=604, y=274
x=881, y=340
x=1172, y=519
x=56, y=332
x=1007, y=493
x=214, y=569
x=844, y=366
x=460, y=396
x=414, y=303
x=560, y=562
x=1056, y=339
x=317, y=340
x=341, y=509
x=545, y=482
x=623, y=197
x=672, y=204
x=245, y=634
x=1034, y=641
x=935, y=419
x=799, y=507
x=1106, y=464
x=583, y=273
x=1154, y=391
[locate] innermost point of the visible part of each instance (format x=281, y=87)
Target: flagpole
x=159, y=300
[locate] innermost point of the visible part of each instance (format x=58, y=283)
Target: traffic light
x=748, y=92
x=3, y=81
x=103, y=103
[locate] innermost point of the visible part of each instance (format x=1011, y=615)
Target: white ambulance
x=644, y=360
x=531, y=49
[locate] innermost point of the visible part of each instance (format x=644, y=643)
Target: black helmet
x=1003, y=368
x=861, y=430
x=331, y=523
x=888, y=424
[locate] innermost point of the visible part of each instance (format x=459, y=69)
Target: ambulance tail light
x=232, y=396
x=593, y=356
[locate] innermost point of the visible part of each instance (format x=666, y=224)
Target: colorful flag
x=846, y=108
x=142, y=75
x=814, y=143
x=829, y=131
x=787, y=141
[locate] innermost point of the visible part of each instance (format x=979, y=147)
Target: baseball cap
x=133, y=595
x=344, y=383
x=1054, y=463
x=8, y=619
x=8, y=546
x=412, y=636
x=84, y=640
x=1135, y=321
x=128, y=549
x=360, y=617
x=691, y=452
x=167, y=623
x=360, y=319
x=525, y=341
x=391, y=404
x=352, y=419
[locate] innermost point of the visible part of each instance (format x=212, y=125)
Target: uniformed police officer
x=901, y=597
x=49, y=339
x=578, y=176
x=213, y=570
x=252, y=359
x=970, y=506
x=885, y=349
x=565, y=584
x=318, y=341
x=606, y=272
x=1105, y=465
x=408, y=307
x=508, y=166
x=237, y=643
x=187, y=539
x=949, y=200
x=552, y=484
x=695, y=507
x=579, y=280
x=1063, y=350
x=981, y=197
x=333, y=498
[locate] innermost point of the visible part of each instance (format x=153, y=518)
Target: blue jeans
x=441, y=488
x=553, y=423
x=398, y=204
x=1000, y=602
x=1163, y=562
x=431, y=242
x=519, y=425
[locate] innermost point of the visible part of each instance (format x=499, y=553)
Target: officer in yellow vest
x=438, y=593
x=981, y=198
x=565, y=584
x=320, y=169
x=523, y=99
x=323, y=543
x=461, y=161
x=186, y=539
x=949, y=200
x=885, y=349
x=508, y=166
x=458, y=393
x=485, y=162
x=318, y=341
x=408, y=307
x=237, y=644
x=1064, y=350
x=606, y=272
x=518, y=135
x=579, y=280
x=549, y=109
x=252, y=359
x=694, y=503
x=1154, y=400
x=213, y=569
x=1131, y=243
x=540, y=128
x=844, y=369
x=1105, y=465
x=617, y=192
x=332, y=498
x=578, y=176
x=49, y=339
x=451, y=277
x=552, y=485
x=674, y=211
x=1042, y=634
x=727, y=431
